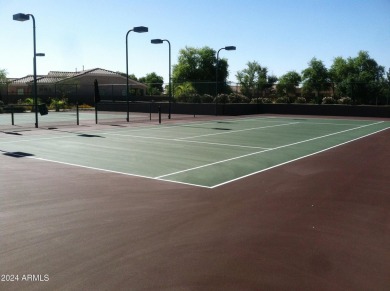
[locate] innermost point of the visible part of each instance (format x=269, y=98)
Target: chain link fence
x=374, y=93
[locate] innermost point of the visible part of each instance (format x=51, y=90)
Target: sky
x=282, y=35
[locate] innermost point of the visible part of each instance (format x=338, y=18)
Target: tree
x=386, y=86
x=3, y=76
x=3, y=80
x=183, y=91
x=339, y=74
x=154, y=83
x=360, y=78
x=368, y=77
x=198, y=66
x=254, y=80
x=315, y=77
x=288, y=83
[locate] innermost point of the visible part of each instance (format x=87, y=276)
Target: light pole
x=228, y=48
x=158, y=41
x=138, y=29
x=24, y=17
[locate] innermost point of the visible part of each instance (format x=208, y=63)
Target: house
x=76, y=86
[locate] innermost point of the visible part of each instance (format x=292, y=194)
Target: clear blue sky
x=282, y=35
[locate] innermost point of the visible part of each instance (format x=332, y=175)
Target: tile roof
x=57, y=76
x=24, y=80
x=62, y=75
x=49, y=79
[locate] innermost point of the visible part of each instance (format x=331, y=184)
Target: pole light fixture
x=21, y=17
x=156, y=41
x=159, y=41
x=228, y=48
x=24, y=17
x=138, y=29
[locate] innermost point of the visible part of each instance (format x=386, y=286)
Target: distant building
x=76, y=86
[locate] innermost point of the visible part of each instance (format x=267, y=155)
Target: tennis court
x=196, y=203
x=205, y=154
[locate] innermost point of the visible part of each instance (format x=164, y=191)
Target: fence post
x=96, y=114
x=150, y=110
x=12, y=115
x=77, y=112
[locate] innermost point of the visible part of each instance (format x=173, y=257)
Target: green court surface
x=206, y=154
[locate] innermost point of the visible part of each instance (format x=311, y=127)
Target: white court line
x=126, y=129
x=293, y=160
x=169, y=126
x=36, y=139
x=209, y=134
x=108, y=171
x=263, y=151
x=185, y=139
x=196, y=185
x=210, y=187
x=330, y=123
x=118, y=133
x=188, y=141
x=238, y=130
x=220, y=144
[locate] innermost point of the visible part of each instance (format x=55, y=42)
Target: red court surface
x=320, y=223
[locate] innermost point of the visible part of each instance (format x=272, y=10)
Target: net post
x=12, y=115
x=77, y=113
x=159, y=114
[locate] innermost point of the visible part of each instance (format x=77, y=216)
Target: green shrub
x=266, y=100
x=29, y=104
x=194, y=98
x=29, y=101
x=283, y=99
x=328, y=100
x=58, y=104
x=300, y=100
x=345, y=100
x=85, y=106
x=238, y=98
x=222, y=98
x=206, y=98
x=181, y=98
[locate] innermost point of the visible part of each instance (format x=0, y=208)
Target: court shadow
x=90, y=135
x=78, y=134
x=13, y=133
x=17, y=154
